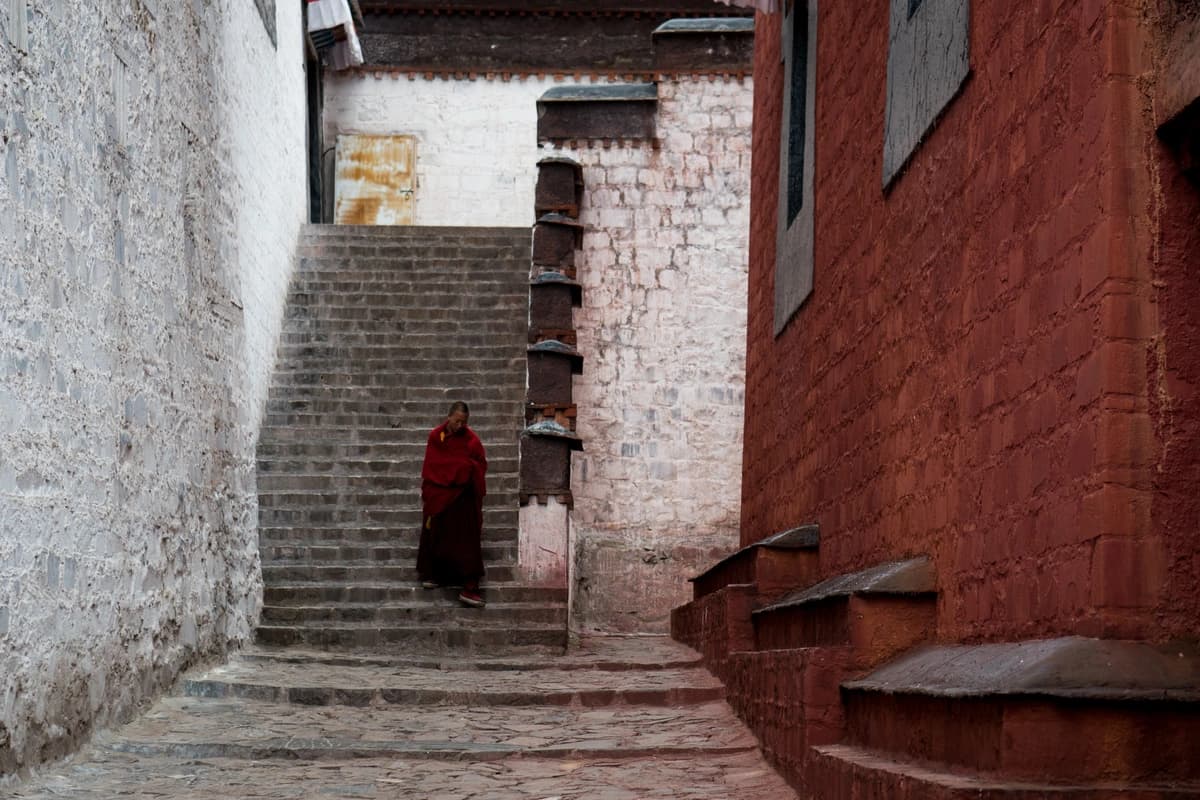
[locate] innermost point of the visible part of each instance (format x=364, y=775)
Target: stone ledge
x=1069, y=668
x=805, y=537
x=912, y=577
x=721, y=44
x=606, y=111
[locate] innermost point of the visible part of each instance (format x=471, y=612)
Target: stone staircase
x=612, y=718
x=851, y=694
x=384, y=328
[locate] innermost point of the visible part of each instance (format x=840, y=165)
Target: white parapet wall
x=476, y=140
x=662, y=330
x=152, y=184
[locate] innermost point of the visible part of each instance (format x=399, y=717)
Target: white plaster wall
x=476, y=139
x=662, y=330
x=141, y=288
x=543, y=553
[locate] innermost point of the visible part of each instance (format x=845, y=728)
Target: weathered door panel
x=375, y=180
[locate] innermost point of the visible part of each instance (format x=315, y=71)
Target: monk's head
x=456, y=418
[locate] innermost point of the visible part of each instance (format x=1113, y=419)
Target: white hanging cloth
x=331, y=15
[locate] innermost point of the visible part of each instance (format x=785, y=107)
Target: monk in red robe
x=453, y=483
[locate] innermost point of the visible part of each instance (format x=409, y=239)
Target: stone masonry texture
x=661, y=331
x=613, y=719
x=152, y=180
x=997, y=364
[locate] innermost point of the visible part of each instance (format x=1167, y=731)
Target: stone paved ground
x=613, y=719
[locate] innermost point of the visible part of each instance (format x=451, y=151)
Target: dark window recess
x=913, y=5
x=266, y=12
x=799, y=102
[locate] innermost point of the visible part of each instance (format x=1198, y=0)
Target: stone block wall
x=661, y=329
x=152, y=182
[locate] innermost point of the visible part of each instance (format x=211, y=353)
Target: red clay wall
x=986, y=370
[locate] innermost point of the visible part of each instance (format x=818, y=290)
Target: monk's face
x=456, y=422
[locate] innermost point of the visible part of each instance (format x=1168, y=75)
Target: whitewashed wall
x=476, y=139
x=148, y=216
x=662, y=329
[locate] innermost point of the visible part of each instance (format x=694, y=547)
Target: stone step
x=452, y=362
x=366, y=572
x=397, y=518
x=990, y=709
x=513, y=328
x=495, y=536
x=417, y=311
x=497, y=451
x=426, y=401
x=495, y=250
x=325, y=482
x=403, y=550
x=423, y=413
x=898, y=599
x=362, y=686
x=842, y=770
x=206, y=728
x=399, y=499
x=434, y=348
x=415, y=638
x=310, y=295
x=502, y=486
x=352, y=427
x=428, y=613
x=784, y=562
x=614, y=653
x=393, y=277
x=506, y=380
x=383, y=292
x=310, y=592
x=413, y=339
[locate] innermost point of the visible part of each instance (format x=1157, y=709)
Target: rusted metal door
x=375, y=180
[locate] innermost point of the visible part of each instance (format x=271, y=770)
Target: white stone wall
x=152, y=182
x=476, y=139
x=663, y=331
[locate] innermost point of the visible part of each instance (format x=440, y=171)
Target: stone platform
x=614, y=718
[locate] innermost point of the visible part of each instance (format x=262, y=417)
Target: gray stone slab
x=589, y=93
x=911, y=577
x=804, y=537
x=743, y=25
x=1069, y=667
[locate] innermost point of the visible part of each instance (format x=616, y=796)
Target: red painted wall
x=998, y=363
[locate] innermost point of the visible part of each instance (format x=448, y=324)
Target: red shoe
x=472, y=598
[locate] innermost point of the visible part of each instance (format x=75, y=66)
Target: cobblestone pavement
x=615, y=718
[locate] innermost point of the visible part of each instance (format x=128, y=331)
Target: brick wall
x=148, y=212
x=661, y=330
x=971, y=377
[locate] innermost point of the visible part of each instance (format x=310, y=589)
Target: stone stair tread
x=187, y=726
x=105, y=775
x=611, y=653
x=894, y=777
x=492, y=606
x=550, y=682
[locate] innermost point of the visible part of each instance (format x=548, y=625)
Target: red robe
x=453, y=484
